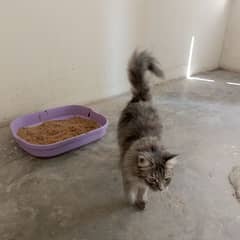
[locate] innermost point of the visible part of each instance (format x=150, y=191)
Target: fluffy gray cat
x=144, y=161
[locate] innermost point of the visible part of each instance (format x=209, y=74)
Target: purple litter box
x=66, y=145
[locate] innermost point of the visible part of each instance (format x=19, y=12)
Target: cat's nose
x=160, y=186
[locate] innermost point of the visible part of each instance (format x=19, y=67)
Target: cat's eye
x=167, y=180
x=153, y=148
x=141, y=159
x=143, y=162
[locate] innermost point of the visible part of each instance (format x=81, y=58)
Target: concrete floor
x=78, y=196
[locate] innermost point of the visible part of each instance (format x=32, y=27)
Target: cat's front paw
x=140, y=205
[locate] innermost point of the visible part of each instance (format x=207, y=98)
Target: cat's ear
x=170, y=159
x=143, y=162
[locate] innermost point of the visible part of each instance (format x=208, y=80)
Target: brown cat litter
x=57, y=130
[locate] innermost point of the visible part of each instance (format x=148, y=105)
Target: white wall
x=74, y=51
x=171, y=25
x=63, y=52
x=231, y=51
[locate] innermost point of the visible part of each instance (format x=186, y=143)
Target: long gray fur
x=144, y=161
x=137, y=67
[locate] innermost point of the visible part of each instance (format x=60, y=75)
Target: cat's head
x=155, y=166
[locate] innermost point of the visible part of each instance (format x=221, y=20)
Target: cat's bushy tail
x=139, y=63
